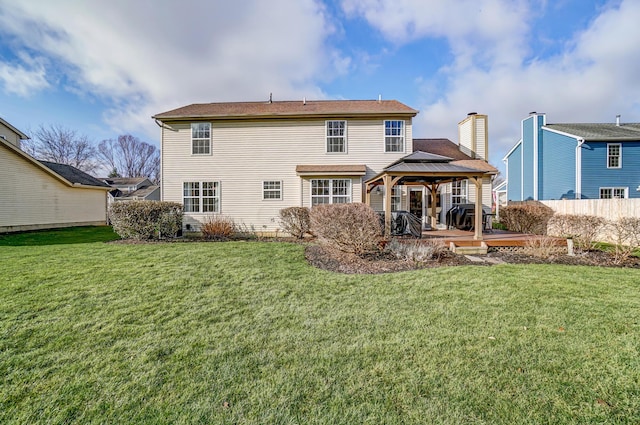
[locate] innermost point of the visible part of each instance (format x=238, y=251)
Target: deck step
x=477, y=248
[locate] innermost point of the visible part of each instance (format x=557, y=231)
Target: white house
x=248, y=160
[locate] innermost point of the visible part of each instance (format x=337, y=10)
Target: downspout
x=579, y=168
x=535, y=159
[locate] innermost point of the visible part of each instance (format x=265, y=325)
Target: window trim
x=612, y=190
x=327, y=136
x=619, y=156
x=464, y=187
x=217, y=187
x=403, y=136
x=331, y=195
x=271, y=190
x=209, y=145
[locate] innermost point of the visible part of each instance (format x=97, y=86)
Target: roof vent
x=304, y=100
x=618, y=120
x=472, y=113
x=379, y=98
x=270, y=97
x=532, y=113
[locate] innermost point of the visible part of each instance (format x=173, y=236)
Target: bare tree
x=128, y=156
x=64, y=146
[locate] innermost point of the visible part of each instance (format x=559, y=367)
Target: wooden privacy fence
x=610, y=209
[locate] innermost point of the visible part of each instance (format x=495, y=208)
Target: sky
x=104, y=67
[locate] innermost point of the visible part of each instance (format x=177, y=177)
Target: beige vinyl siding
x=481, y=137
x=473, y=136
x=31, y=198
x=245, y=153
x=465, y=136
x=10, y=135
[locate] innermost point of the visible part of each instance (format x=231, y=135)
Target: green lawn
x=248, y=333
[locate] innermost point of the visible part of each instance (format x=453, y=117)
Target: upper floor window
x=613, y=192
x=201, y=196
x=330, y=191
x=271, y=189
x=201, y=138
x=336, y=136
x=394, y=136
x=614, y=155
x=459, y=192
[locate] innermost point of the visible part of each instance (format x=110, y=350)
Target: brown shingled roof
x=476, y=164
x=444, y=147
x=288, y=109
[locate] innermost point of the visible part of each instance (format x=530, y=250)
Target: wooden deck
x=491, y=239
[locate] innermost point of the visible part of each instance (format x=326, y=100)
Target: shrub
x=218, y=227
x=351, y=227
x=295, y=221
x=584, y=229
x=146, y=219
x=626, y=234
x=529, y=217
x=417, y=250
x=543, y=247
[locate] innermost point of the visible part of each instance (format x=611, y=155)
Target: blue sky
x=103, y=67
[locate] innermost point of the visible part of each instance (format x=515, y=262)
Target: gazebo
x=431, y=171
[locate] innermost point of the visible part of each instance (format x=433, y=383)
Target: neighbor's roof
x=600, y=132
x=342, y=169
x=325, y=108
x=444, y=147
x=74, y=175
x=123, y=181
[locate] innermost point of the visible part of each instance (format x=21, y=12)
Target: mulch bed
x=385, y=262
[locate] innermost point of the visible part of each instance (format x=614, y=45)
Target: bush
x=626, y=234
x=295, y=221
x=218, y=227
x=529, y=217
x=351, y=228
x=146, y=219
x=584, y=229
x=544, y=247
x=417, y=251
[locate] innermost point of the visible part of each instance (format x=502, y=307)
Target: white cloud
x=147, y=57
x=595, y=77
x=23, y=80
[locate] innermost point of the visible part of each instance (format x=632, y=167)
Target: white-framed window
x=336, y=132
x=459, y=192
x=200, y=138
x=394, y=136
x=614, y=155
x=330, y=191
x=614, y=193
x=201, y=197
x=396, y=198
x=271, y=190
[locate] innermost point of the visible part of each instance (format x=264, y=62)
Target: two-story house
x=248, y=160
x=574, y=161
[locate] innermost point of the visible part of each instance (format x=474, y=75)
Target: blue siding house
x=574, y=161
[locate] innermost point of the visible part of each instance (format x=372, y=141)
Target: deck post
x=478, y=209
x=387, y=204
x=433, y=192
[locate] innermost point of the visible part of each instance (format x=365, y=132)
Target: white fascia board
x=512, y=149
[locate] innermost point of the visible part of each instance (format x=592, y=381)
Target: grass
x=67, y=235
x=248, y=333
